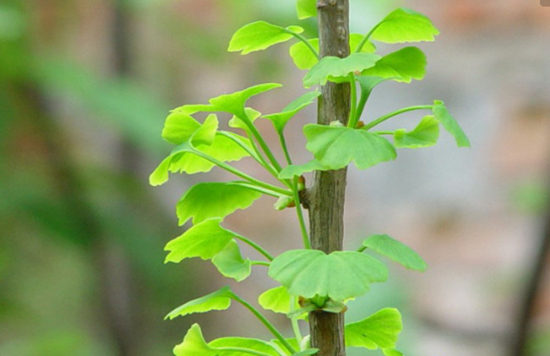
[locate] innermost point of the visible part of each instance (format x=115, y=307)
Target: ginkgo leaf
x=280, y=119
x=251, y=115
x=425, y=134
x=295, y=170
x=338, y=69
x=368, y=84
x=306, y=8
x=395, y=251
x=179, y=127
x=214, y=200
x=203, y=240
x=193, y=344
x=259, y=35
x=191, y=109
x=379, y=330
x=449, y=123
x=242, y=343
x=335, y=147
x=392, y=352
x=219, y=300
x=276, y=299
x=340, y=275
x=206, y=134
x=304, y=58
x=234, y=103
x=405, y=25
x=230, y=263
x=403, y=65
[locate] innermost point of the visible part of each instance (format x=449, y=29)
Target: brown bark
x=326, y=210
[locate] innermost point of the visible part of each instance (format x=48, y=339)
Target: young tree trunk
x=326, y=200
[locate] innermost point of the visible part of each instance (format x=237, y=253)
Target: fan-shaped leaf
x=193, y=344
x=241, y=343
x=234, y=103
x=405, y=25
x=238, y=123
x=295, y=170
x=423, y=135
x=449, y=123
x=403, y=65
x=214, y=200
x=306, y=8
x=206, y=134
x=379, y=330
x=280, y=119
x=395, y=251
x=335, y=147
x=230, y=263
x=340, y=275
x=276, y=299
x=259, y=35
x=203, y=240
x=338, y=69
x=219, y=300
x=179, y=127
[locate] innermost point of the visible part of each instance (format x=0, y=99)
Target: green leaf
x=237, y=123
x=403, y=65
x=295, y=170
x=230, y=263
x=354, y=41
x=276, y=299
x=405, y=25
x=206, y=134
x=193, y=344
x=242, y=343
x=234, y=103
x=306, y=8
x=423, y=135
x=338, y=69
x=340, y=275
x=302, y=55
x=219, y=300
x=280, y=119
x=179, y=127
x=214, y=200
x=395, y=251
x=259, y=35
x=449, y=123
x=392, y=352
x=293, y=342
x=203, y=240
x=335, y=147
x=379, y=330
x=191, y=109
x=368, y=84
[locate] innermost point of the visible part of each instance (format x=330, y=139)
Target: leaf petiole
x=354, y=114
x=254, y=246
x=260, y=263
x=366, y=38
x=381, y=119
x=305, y=41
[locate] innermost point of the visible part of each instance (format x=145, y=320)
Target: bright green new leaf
x=259, y=35
x=367, y=85
x=395, y=251
x=338, y=69
x=304, y=58
x=405, y=25
x=379, y=330
x=280, y=119
x=306, y=8
x=234, y=103
x=302, y=55
x=230, y=263
x=392, y=352
x=214, y=200
x=219, y=300
x=423, y=135
x=193, y=344
x=206, y=134
x=191, y=109
x=179, y=127
x=340, y=275
x=237, y=123
x=242, y=343
x=294, y=170
x=182, y=158
x=335, y=147
x=449, y=123
x=276, y=299
x=203, y=240
x=403, y=65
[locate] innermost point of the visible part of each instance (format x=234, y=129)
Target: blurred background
x=84, y=90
